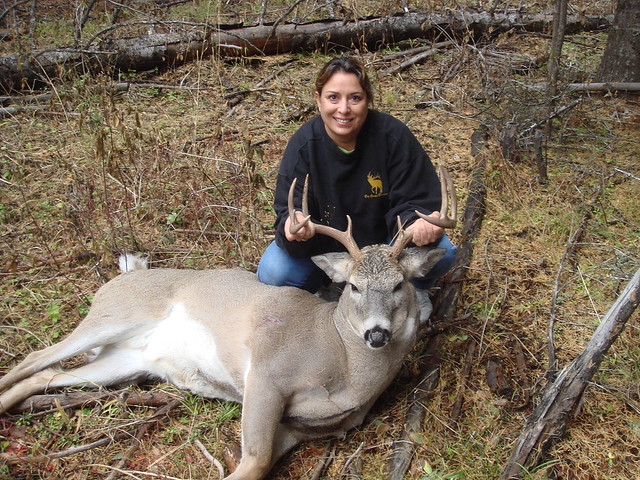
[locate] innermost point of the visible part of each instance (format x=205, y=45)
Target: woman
x=362, y=163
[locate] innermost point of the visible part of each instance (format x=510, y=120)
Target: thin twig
x=12, y=7
x=351, y=458
x=31, y=459
x=237, y=97
x=462, y=386
x=141, y=431
x=551, y=116
x=10, y=460
x=284, y=15
x=416, y=58
x=135, y=473
x=209, y=457
x=327, y=458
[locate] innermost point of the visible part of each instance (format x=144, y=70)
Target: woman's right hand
x=302, y=235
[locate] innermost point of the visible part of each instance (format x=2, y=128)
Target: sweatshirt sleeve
x=294, y=164
x=414, y=184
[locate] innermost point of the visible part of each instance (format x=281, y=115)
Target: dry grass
x=179, y=175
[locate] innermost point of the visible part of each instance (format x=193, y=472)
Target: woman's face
x=343, y=106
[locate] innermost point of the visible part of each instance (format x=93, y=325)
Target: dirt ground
x=169, y=168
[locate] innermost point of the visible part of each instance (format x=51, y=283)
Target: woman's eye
x=355, y=99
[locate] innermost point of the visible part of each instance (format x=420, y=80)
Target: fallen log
x=604, y=87
x=169, y=49
x=53, y=402
x=402, y=450
x=548, y=423
x=594, y=87
x=474, y=210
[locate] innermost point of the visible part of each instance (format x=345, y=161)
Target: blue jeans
x=277, y=267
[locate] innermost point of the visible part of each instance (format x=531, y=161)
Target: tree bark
x=167, y=50
x=621, y=58
x=548, y=422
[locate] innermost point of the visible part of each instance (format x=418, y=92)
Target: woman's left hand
x=424, y=232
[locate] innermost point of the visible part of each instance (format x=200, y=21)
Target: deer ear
x=418, y=261
x=334, y=264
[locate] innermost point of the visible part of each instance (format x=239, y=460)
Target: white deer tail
x=129, y=262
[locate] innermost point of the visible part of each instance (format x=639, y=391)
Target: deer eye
x=398, y=287
x=354, y=289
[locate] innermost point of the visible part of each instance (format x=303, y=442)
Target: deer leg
x=85, y=337
x=111, y=367
x=36, y=361
x=262, y=409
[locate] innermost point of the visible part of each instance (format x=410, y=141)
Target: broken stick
x=548, y=422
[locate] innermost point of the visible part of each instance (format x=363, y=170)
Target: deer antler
x=345, y=238
x=448, y=190
x=402, y=240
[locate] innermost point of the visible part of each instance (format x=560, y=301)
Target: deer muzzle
x=377, y=337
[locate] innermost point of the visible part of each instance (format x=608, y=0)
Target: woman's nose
x=344, y=106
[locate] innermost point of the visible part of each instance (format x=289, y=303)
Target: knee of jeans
x=447, y=260
x=270, y=274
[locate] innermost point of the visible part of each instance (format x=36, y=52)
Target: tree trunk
x=621, y=58
x=559, y=21
x=166, y=50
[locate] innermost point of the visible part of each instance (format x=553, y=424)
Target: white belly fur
x=183, y=352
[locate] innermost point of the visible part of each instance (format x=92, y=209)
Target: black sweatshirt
x=388, y=174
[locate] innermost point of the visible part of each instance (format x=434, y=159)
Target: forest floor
x=169, y=168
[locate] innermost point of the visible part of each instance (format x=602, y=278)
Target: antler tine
x=345, y=238
x=294, y=225
x=448, y=190
x=402, y=240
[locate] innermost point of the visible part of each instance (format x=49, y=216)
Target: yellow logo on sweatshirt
x=377, y=189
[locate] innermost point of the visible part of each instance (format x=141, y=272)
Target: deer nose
x=377, y=337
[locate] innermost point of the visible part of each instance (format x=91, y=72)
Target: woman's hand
x=424, y=232
x=302, y=235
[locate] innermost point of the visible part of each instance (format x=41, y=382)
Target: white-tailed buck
x=302, y=367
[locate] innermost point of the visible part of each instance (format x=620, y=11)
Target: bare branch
x=12, y=7
x=420, y=56
x=32, y=25
x=548, y=422
x=82, y=16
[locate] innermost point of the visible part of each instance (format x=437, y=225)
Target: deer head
x=378, y=296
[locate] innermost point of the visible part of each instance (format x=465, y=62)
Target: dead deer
x=303, y=368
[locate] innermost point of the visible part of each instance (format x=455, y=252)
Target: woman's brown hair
x=347, y=65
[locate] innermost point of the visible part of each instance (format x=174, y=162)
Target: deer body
x=302, y=367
